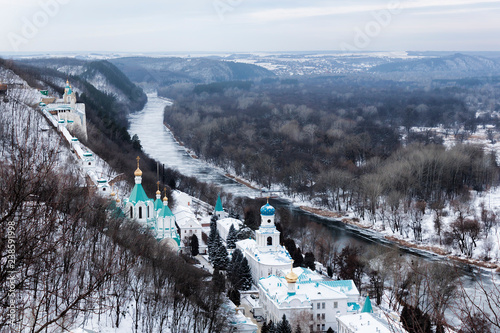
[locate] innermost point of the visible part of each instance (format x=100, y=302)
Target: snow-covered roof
x=277, y=290
x=370, y=322
x=273, y=256
x=304, y=274
x=227, y=222
x=185, y=218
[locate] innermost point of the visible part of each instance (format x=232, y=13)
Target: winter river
x=159, y=143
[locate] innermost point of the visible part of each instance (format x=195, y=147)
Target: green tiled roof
x=138, y=194
x=158, y=204
x=353, y=307
x=218, y=205
x=166, y=212
x=345, y=284
x=367, y=307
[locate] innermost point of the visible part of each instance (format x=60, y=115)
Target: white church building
x=153, y=215
x=265, y=255
x=305, y=294
x=69, y=112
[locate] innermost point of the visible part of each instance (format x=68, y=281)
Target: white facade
x=224, y=224
x=321, y=301
x=69, y=112
x=187, y=223
x=265, y=255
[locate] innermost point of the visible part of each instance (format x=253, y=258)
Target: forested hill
x=102, y=75
x=167, y=71
x=69, y=257
x=457, y=64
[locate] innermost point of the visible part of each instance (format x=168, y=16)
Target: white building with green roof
x=302, y=293
x=154, y=215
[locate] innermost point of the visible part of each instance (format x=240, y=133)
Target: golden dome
x=138, y=172
x=291, y=277
x=165, y=199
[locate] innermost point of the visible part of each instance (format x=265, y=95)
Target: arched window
x=90, y=163
x=269, y=241
x=269, y=221
x=148, y=212
x=140, y=212
x=131, y=212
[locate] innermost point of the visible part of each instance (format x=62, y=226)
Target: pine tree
x=284, y=326
x=309, y=261
x=212, y=238
x=330, y=330
x=195, y=246
x=220, y=258
x=233, y=270
x=297, y=257
x=271, y=327
x=265, y=328
x=234, y=296
x=298, y=329
x=245, y=274
x=232, y=237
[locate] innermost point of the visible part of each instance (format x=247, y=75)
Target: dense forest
x=338, y=139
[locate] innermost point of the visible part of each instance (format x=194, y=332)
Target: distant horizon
x=118, y=54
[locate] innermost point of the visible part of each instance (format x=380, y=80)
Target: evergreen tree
x=212, y=238
x=218, y=281
x=195, y=246
x=232, y=237
x=234, y=296
x=330, y=330
x=234, y=266
x=220, y=258
x=298, y=329
x=271, y=327
x=245, y=274
x=284, y=326
x=309, y=261
x=297, y=257
x=265, y=328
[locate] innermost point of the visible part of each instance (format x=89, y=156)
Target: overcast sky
x=248, y=25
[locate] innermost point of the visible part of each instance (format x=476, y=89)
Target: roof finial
x=291, y=277
x=165, y=199
x=158, y=188
x=267, y=199
x=138, y=172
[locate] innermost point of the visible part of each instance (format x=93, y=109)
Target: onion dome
x=138, y=171
x=291, y=277
x=267, y=210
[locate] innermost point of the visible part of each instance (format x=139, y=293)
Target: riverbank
x=402, y=242
x=374, y=231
